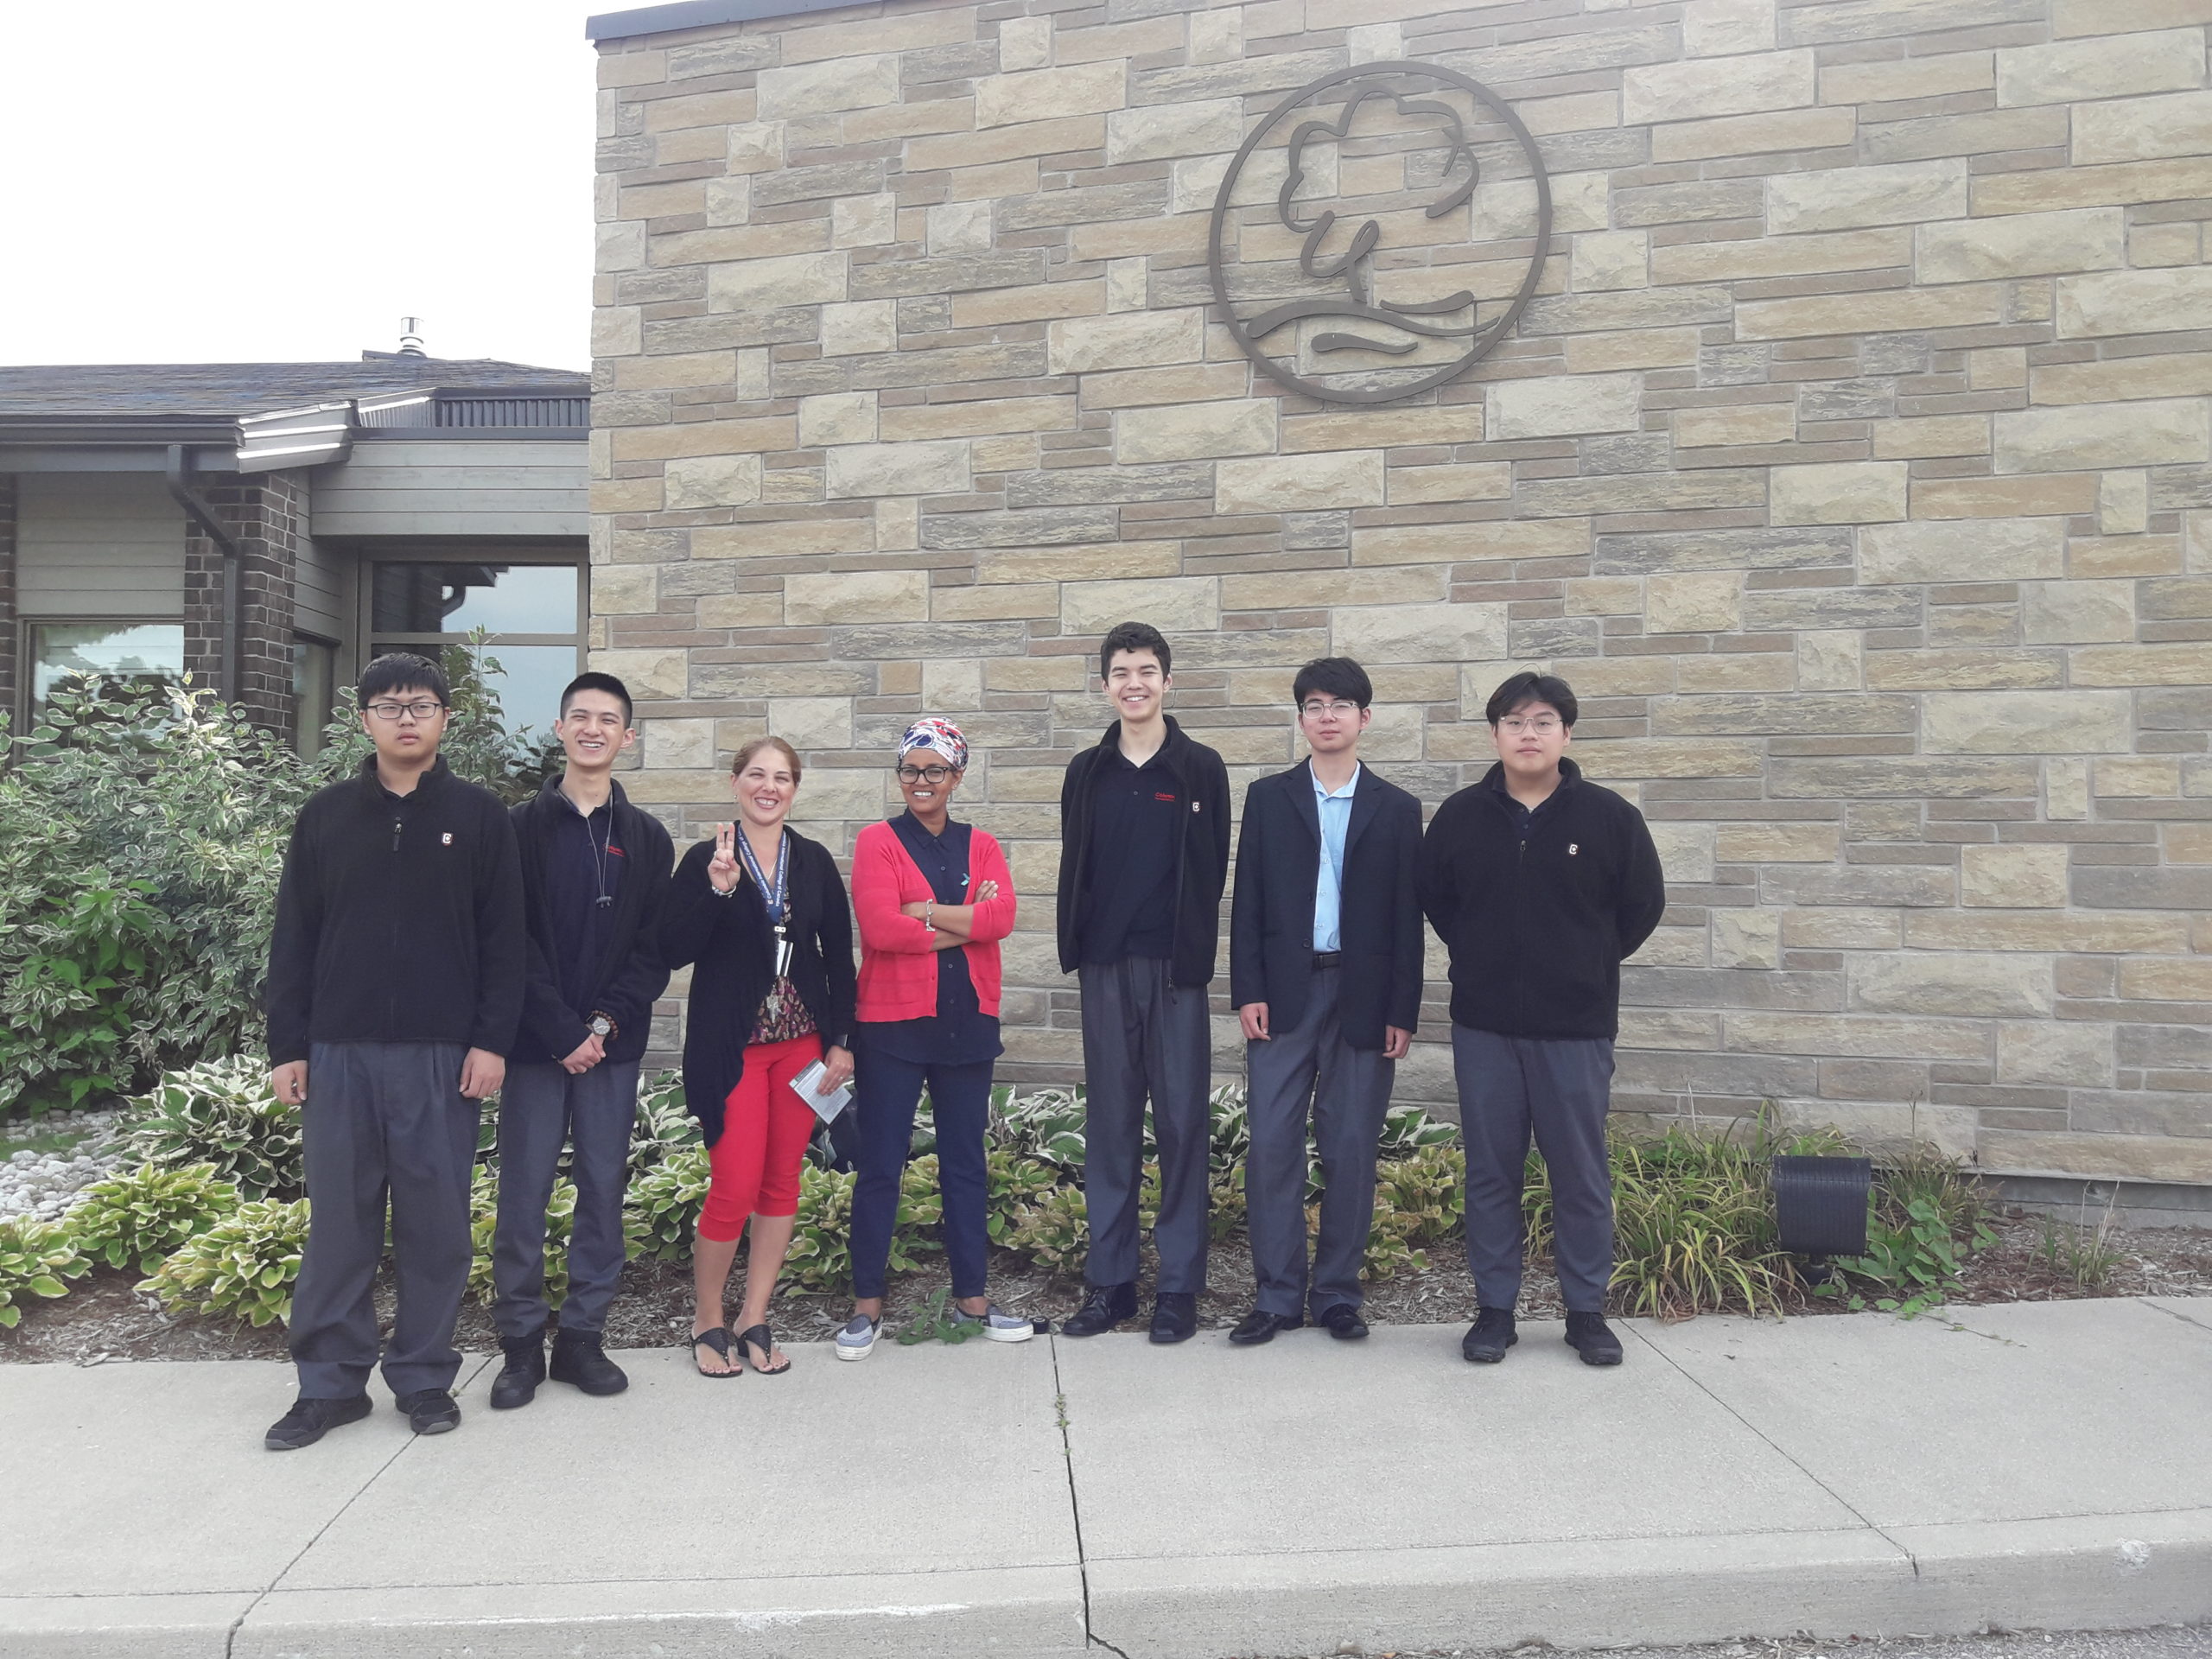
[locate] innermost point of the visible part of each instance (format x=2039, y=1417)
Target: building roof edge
x=701, y=14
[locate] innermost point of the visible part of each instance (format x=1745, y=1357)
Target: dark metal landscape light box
x=1820, y=1204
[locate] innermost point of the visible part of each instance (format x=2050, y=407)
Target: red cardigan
x=898, y=967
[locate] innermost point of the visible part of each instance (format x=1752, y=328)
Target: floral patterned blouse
x=782, y=1016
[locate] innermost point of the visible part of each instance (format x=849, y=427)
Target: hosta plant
x=1053, y=1230
x=222, y=1113
x=663, y=1126
x=35, y=1258
x=660, y=1215
x=137, y=1217
x=245, y=1264
x=822, y=1253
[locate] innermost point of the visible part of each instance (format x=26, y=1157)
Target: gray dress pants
x=540, y=1109
x=1144, y=1038
x=1559, y=1089
x=1347, y=1090
x=385, y=1125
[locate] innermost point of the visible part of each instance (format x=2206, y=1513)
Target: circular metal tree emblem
x=1380, y=232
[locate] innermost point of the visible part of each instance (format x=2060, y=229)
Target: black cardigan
x=1201, y=856
x=1537, y=933
x=730, y=941
x=624, y=984
x=1271, y=919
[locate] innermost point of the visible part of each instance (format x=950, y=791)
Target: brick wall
x=1852, y=462
x=263, y=515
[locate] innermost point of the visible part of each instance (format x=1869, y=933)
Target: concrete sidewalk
x=2031, y=1466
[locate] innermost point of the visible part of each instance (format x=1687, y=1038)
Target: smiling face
x=1530, y=740
x=765, y=788
x=1331, y=725
x=927, y=796
x=1136, y=686
x=405, y=725
x=594, y=730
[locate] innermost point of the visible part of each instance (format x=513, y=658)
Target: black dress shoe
x=516, y=1382
x=1260, y=1326
x=430, y=1411
x=580, y=1360
x=309, y=1421
x=1590, y=1336
x=1488, y=1336
x=1174, y=1316
x=1103, y=1307
x=1342, y=1321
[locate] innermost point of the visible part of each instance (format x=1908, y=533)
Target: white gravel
x=45, y=1184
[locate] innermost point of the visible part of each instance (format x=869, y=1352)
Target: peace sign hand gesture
x=721, y=869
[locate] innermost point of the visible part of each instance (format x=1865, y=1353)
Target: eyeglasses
x=394, y=710
x=1340, y=708
x=924, y=774
x=1541, y=725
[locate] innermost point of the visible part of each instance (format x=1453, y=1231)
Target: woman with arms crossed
x=760, y=909
x=934, y=899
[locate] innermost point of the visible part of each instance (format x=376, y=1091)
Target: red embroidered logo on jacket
x=1164, y=796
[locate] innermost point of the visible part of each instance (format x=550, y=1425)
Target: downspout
x=178, y=472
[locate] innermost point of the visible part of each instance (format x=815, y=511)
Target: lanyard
x=777, y=896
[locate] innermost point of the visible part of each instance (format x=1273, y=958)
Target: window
x=144, y=652
x=315, y=686
x=533, y=612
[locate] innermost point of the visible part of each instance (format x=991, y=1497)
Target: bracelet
x=722, y=893
x=928, y=914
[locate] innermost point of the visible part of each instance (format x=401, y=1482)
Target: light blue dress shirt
x=1328, y=886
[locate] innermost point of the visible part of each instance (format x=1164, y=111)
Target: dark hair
x=597, y=682
x=402, y=670
x=1132, y=636
x=1527, y=687
x=744, y=756
x=1334, y=677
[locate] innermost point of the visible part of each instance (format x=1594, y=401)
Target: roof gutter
x=178, y=473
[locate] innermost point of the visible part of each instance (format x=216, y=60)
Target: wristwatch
x=601, y=1027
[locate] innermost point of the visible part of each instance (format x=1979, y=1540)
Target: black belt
x=1326, y=958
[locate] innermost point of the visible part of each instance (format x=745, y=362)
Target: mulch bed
x=103, y=1319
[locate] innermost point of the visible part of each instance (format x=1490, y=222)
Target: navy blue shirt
x=583, y=871
x=961, y=1033
x=1133, y=847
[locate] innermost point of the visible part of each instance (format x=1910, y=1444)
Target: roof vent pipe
x=411, y=337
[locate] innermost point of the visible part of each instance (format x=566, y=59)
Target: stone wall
x=1853, y=462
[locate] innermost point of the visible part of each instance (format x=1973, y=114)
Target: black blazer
x=1201, y=856
x=1271, y=919
x=632, y=975
x=730, y=940
x=1538, y=932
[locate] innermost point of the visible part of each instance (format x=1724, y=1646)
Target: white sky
x=250, y=181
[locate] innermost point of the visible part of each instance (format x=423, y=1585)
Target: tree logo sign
x=1380, y=232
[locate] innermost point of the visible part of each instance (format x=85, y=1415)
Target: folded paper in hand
x=828, y=1103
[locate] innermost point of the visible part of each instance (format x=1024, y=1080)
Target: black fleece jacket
x=1537, y=929
x=730, y=940
x=399, y=919
x=1201, y=854
x=630, y=975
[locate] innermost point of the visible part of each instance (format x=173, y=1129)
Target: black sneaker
x=309, y=1421
x=516, y=1382
x=1488, y=1336
x=1589, y=1336
x=1103, y=1307
x=579, y=1359
x=430, y=1411
x=1174, y=1316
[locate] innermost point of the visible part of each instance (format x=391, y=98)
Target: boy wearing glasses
x=1540, y=883
x=1144, y=855
x=395, y=984
x=594, y=870
x=1325, y=969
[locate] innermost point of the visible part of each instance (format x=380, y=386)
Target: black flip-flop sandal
x=717, y=1340
x=760, y=1336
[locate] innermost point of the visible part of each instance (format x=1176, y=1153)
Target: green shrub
x=660, y=1214
x=35, y=1258
x=245, y=1264
x=222, y=1113
x=1045, y=1127
x=822, y=1253
x=140, y=1217
x=663, y=1125
x=1051, y=1231
x=483, y=1227
x=1695, y=1229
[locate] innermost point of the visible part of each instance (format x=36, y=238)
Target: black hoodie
x=1538, y=928
x=1201, y=853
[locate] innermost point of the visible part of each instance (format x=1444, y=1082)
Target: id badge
x=783, y=954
